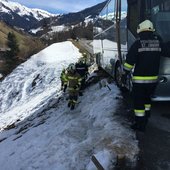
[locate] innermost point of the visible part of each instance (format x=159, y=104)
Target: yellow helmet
x=146, y=25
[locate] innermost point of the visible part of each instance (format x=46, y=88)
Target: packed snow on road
x=38, y=130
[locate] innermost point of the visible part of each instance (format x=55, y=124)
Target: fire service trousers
x=142, y=93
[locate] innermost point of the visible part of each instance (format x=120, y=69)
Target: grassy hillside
x=28, y=46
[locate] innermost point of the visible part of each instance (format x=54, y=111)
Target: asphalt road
x=155, y=143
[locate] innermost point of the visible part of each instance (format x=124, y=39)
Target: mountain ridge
x=15, y=14
x=18, y=15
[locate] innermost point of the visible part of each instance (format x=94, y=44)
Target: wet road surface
x=155, y=143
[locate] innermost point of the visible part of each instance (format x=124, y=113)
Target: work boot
x=69, y=104
x=148, y=114
x=64, y=89
x=138, y=127
x=140, y=124
x=72, y=106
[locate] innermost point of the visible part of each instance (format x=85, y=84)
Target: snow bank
x=34, y=82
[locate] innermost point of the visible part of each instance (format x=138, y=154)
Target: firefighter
x=82, y=70
x=63, y=78
x=144, y=58
x=74, y=83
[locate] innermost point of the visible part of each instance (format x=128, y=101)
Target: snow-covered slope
x=44, y=134
x=39, y=75
x=9, y=6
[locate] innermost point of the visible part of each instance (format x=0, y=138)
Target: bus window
x=111, y=10
x=160, y=16
x=107, y=15
x=103, y=18
x=103, y=14
x=167, y=5
x=123, y=9
x=123, y=23
x=133, y=16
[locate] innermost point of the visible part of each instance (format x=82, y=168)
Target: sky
x=59, y=6
x=44, y=134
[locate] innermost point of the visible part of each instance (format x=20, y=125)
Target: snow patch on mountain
x=9, y=6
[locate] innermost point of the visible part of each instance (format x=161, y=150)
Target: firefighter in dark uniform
x=63, y=78
x=82, y=70
x=144, y=57
x=74, y=83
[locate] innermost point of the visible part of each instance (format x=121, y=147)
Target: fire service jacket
x=144, y=57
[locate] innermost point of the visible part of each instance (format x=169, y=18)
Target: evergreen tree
x=13, y=45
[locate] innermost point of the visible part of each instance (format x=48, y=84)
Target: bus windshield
x=160, y=16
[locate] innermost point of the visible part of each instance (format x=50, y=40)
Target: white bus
x=115, y=31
